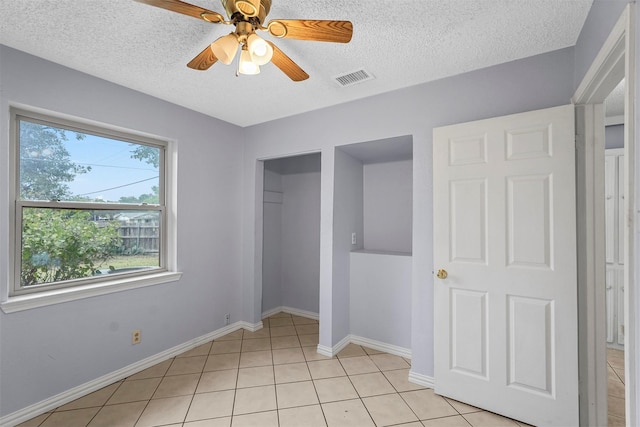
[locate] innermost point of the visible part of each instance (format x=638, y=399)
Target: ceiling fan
x=248, y=17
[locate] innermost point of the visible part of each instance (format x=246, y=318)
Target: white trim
x=341, y=345
x=251, y=327
x=632, y=242
x=423, y=380
x=381, y=346
x=325, y=351
x=301, y=313
x=615, y=61
x=357, y=340
x=70, y=395
x=171, y=205
x=253, y=282
x=607, y=65
x=57, y=296
x=27, y=301
x=291, y=310
x=591, y=263
x=332, y=351
x=271, y=312
x=614, y=120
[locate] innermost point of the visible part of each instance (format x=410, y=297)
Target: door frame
x=616, y=60
x=256, y=299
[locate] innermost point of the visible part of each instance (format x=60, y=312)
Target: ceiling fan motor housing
x=248, y=16
x=248, y=8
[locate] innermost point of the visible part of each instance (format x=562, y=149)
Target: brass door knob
x=442, y=274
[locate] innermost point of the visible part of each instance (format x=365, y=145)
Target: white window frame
x=18, y=298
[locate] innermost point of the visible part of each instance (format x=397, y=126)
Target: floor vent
x=353, y=78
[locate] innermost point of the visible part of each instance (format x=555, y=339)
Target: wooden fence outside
x=140, y=237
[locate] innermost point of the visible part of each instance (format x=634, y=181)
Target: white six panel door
x=505, y=232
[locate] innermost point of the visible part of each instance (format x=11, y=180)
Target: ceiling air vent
x=353, y=78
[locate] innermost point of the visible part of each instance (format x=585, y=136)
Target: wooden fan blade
x=186, y=9
x=306, y=29
x=286, y=64
x=204, y=60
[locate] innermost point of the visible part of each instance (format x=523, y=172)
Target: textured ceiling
x=402, y=43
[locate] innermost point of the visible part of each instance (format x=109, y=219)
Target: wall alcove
x=373, y=214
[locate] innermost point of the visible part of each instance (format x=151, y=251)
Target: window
x=89, y=204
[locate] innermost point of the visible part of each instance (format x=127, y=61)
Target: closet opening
x=291, y=236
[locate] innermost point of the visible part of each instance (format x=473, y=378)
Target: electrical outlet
x=227, y=319
x=354, y=239
x=136, y=336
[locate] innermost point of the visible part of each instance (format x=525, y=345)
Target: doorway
x=614, y=184
x=291, y=236
x=614, y=62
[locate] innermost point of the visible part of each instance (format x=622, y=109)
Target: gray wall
x=380, y=298
x=347, y=218
x=272, y=244
x=602, y=17
x=301, y=241
x=388, y=206
x=49, y=350
x=528, y=84
x=614, y=136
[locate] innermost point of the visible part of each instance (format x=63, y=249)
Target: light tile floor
x=615, y=383
x=272, y=377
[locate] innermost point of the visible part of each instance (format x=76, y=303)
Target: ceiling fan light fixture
x=225, y=48
x=249, y=16
x=260, y=51
x=246, y=66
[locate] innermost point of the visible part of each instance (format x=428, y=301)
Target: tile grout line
x=195, y=391
x=273, y=369
x=615, y=372
x=154, y=392
x=272, y=365
x=107, y=400
x=360, y=397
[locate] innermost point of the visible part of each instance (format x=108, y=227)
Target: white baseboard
x=291, y=310
x=325, y=351
x=301, y=313
x=251, y=327
x=423, y=380
x=65, y=397
x=271, y=312
x=373, y=344
x=381, y=346
x=332, y=351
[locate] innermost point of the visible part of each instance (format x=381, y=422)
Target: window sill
x=42, y=299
